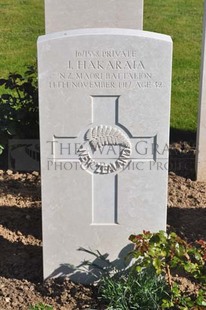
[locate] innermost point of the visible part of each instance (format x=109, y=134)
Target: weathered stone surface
x=201, y=128
x=104, y=118
x=63, y=15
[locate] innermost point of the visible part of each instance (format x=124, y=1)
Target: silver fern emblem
x=106, y=135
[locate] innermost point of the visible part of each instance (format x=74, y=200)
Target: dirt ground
x=21, y=237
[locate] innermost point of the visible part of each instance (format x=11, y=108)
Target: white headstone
x=201, y=127
x=104, y=115
x=63, y=15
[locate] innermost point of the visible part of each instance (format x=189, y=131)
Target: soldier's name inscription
x=105, y=69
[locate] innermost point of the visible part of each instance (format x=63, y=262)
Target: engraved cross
x=106, y=132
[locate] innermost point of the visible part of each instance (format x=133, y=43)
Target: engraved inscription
x=107, y=53
x=106, y=65
x=105, y=69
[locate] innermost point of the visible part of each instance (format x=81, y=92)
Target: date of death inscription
x=105, y=70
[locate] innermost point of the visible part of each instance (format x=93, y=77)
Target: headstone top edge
x=62, y=15
x=105, y=31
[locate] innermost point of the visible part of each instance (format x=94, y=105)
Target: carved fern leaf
x=106, y=135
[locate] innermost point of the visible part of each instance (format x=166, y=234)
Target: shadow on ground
x=27, y=221
x=182, y=153
x=177, y=135
x=20, y=261
x=189, y=223
x=28, y=188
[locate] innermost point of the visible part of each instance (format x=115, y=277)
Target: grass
x=182, y=19
x=133, y=290
x=22, y=21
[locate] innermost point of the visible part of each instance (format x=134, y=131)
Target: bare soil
x=21, y=282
